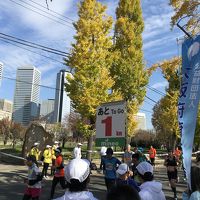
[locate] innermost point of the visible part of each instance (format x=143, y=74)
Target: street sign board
x=111, y=124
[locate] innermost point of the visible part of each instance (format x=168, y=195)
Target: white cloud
x=31, y=26
x=14, y=57
x=156, y=25
x=38, y=24
x=160, y=85
x=160, y=43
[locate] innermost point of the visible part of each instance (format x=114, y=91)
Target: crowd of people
x=129, y=178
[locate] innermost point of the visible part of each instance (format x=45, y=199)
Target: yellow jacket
x=35, y=151
x=47, y=156
x=53, y=152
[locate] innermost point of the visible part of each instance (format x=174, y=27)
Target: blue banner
x=189, y=99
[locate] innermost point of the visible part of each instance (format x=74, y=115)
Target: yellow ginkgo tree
x=165, y=118
x=128, y=69
x=90, y=61
x=189, y=9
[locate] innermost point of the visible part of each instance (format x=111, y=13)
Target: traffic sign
x=111, y=124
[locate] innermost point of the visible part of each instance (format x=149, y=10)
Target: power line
x=52, y=11
x=41, y=14
x=31, y=5
x=36, y=47
x=16, y=38
x=22, y=43
x=151, y=88
x=155, y=90
x=150, y=99
x=33, y=43
x=148, y=103
x=146, y=111
x=33, y=51
x=44, y=86
x=39, y=85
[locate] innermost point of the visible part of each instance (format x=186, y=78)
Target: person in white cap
x=35, y=151
x=77, y=151
x=47, y=160
x=149, y=189
x=103, y=155
x=124, y=176
x=77, y=173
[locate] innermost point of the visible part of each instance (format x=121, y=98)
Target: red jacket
x=59, y=165
x=152, y=153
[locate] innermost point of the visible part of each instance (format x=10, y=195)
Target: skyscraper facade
x=1, y=72
x=26, y=98
x=141, y=120
x=62, y=106
x=47, y=110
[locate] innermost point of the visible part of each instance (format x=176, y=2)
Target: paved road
x=12, y=186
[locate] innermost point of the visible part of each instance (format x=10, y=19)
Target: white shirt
x=33, y=172
x=84, y=195
x=151, y=190
x=77, y=152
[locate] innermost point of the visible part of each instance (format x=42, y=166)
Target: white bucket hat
x=36, y=143
x=56, y=142
x=122, y=169
x=144, y=167
x=103, y=151
x=79, y=144
x=77, y=169
x=48, y=146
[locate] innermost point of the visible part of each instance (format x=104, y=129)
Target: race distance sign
x=111, y=124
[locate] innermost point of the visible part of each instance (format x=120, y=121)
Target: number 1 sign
x=111, y=124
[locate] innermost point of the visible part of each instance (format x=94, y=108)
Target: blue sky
x=159, y=41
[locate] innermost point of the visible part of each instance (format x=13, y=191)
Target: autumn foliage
x=188, y=9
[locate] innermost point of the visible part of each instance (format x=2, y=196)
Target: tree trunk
x=13, y=143
x=63, y=143
x=5, y=141
x=89, y=148
x=173, y=142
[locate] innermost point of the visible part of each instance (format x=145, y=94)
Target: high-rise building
x=1, y=72
x=26, y=98
x=47, y=110
x=141, y=120
x=5, y=109
x=62, y=106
